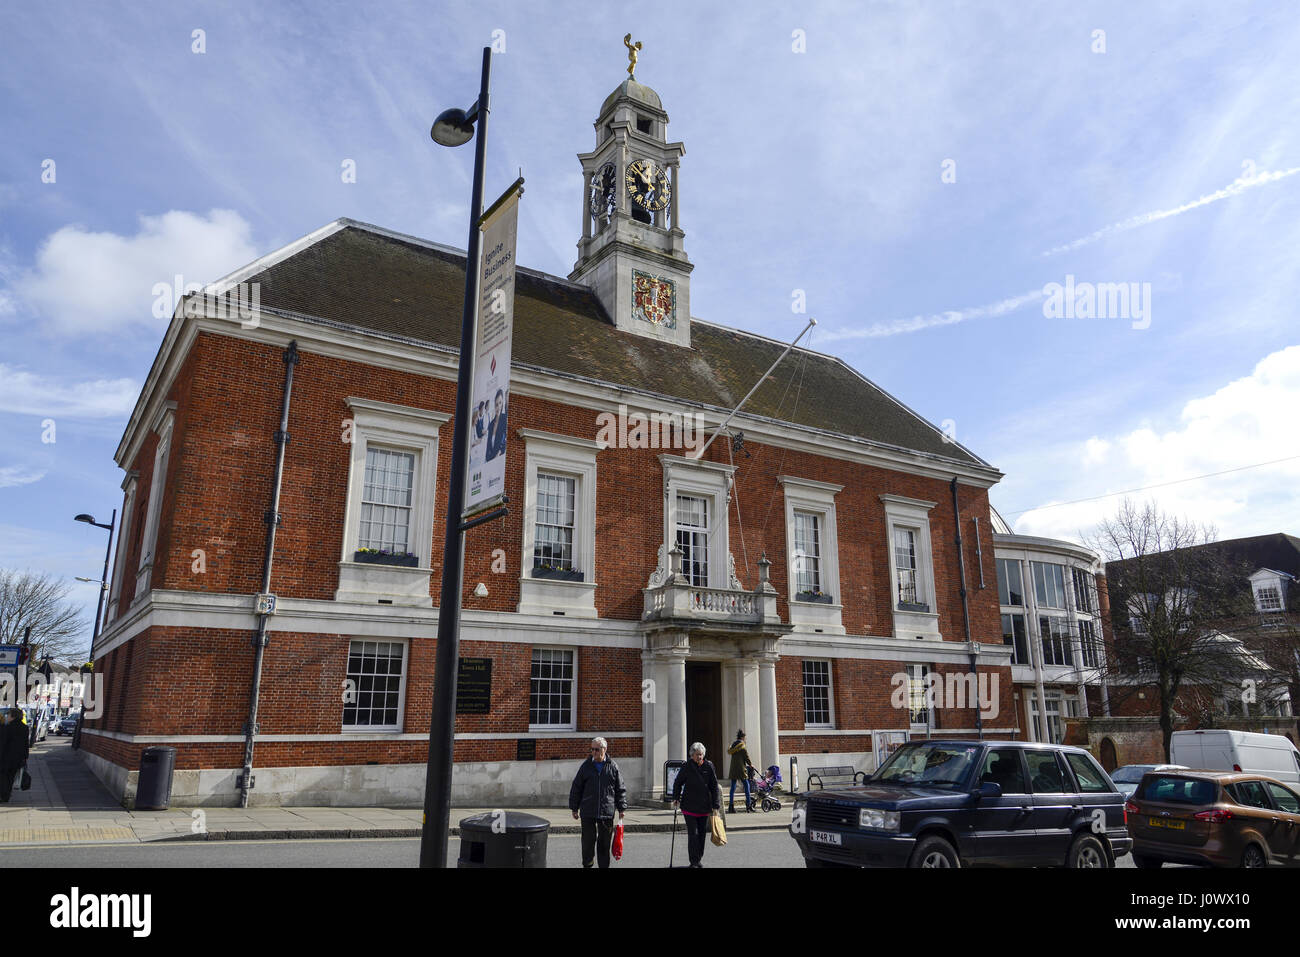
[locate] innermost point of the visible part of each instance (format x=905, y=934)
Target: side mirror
x=988, y=789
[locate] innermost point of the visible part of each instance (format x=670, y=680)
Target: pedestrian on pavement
x=13, y=751
x=741, y=766
x=696, y=791
x=597, y=793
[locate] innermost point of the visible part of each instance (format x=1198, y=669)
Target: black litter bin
x=503, y=839
x=154, y=790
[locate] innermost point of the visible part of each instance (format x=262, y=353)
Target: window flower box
x=557, y=574
x=382, y=556
x=817, y=596
x=913, y=606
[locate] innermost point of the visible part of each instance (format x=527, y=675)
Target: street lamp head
x=452, y=128
x=83, y=517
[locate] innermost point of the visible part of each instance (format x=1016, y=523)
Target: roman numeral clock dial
x=648, y=186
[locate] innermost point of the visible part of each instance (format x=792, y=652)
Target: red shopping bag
x=617, y=848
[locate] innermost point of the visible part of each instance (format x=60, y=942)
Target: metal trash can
x=153, y=792
x=503, y=839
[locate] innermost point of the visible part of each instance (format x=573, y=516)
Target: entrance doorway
x=704, y=711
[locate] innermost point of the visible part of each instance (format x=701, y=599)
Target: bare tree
x=41, y=602
x=1169, y=595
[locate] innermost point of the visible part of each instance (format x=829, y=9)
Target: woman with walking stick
x=697, y=793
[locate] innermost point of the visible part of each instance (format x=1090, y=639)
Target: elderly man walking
x=597, y=793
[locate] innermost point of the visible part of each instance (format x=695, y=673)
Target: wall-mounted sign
x=474, y=686
x=526, y=749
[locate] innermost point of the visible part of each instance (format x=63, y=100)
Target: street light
x=103, y=580
x=454, y=127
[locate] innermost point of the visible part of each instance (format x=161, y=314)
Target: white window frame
x=409, y=531
x=571, y=457
x=572, y=723
x=1065, y=705
x=401, y=689
x=914, y=514
x=403, y=429
x=1063, y=639
x=124, y=530
x=830, y=693
x=1265, y=579
x=703, y=479
x=162, y=426
x=817, y=498
x=919, y=673
x=1033, y=575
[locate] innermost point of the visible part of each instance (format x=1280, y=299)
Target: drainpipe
x=272, y=522
x=965, y=612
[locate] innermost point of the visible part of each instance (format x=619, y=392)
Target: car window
x=1002, y=767
x=928, y=764
x=1248, y=793
x=1044, y=772
x=1129, y=775
x=1177, y=790
x=1091, y=778
x=1286, y=798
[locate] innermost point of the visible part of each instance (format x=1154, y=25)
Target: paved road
x=744, y=849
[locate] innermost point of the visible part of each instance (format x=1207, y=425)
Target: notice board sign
x=671, y=770
x=525, y=749
x=474, y=686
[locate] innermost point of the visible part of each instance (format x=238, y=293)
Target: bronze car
x=1215, y=818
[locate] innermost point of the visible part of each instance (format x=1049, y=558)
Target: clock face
x=604, y=196
x=648, y=185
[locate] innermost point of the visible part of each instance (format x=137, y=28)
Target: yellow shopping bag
x=719, y=829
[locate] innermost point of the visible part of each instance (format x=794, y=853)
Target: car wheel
x=934, y=851
x=1253, y=857
x=1146, y=863
x=1087, y=851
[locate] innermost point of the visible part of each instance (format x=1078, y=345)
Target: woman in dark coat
x=696, y=791
x=13, y=751
x=740, y=768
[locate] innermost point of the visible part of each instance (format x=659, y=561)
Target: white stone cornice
x=810, y=484
x=402, y=411
x=574, y=440
x=905, y=501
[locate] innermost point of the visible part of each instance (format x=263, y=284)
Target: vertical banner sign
x=490, y=393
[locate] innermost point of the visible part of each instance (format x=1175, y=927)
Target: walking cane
x=673, y=845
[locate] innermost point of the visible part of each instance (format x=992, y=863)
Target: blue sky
x=1170, y=159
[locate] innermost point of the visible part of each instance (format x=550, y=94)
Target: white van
x=1250, y=751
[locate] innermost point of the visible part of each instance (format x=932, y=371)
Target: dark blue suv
x=963, y=803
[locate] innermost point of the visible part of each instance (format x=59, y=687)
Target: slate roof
x=371, y=279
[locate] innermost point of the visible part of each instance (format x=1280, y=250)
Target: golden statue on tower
x=632, y=49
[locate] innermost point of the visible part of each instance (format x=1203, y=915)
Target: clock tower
x=631, y=251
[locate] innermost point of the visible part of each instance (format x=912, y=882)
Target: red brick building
x=801, y=580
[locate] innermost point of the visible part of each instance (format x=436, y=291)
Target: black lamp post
x=103, y=581
x=454, y=127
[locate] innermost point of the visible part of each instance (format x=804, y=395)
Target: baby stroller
x=764, y=787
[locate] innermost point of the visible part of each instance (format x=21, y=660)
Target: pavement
x=68, y=805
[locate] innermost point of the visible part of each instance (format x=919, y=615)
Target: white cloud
x=1249, y=421
x=1239, y=185
x=896, y=327
x=86, y=281
x=30, y=394
x=11, y=475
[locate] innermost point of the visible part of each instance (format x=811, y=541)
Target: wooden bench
x=843, y=774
